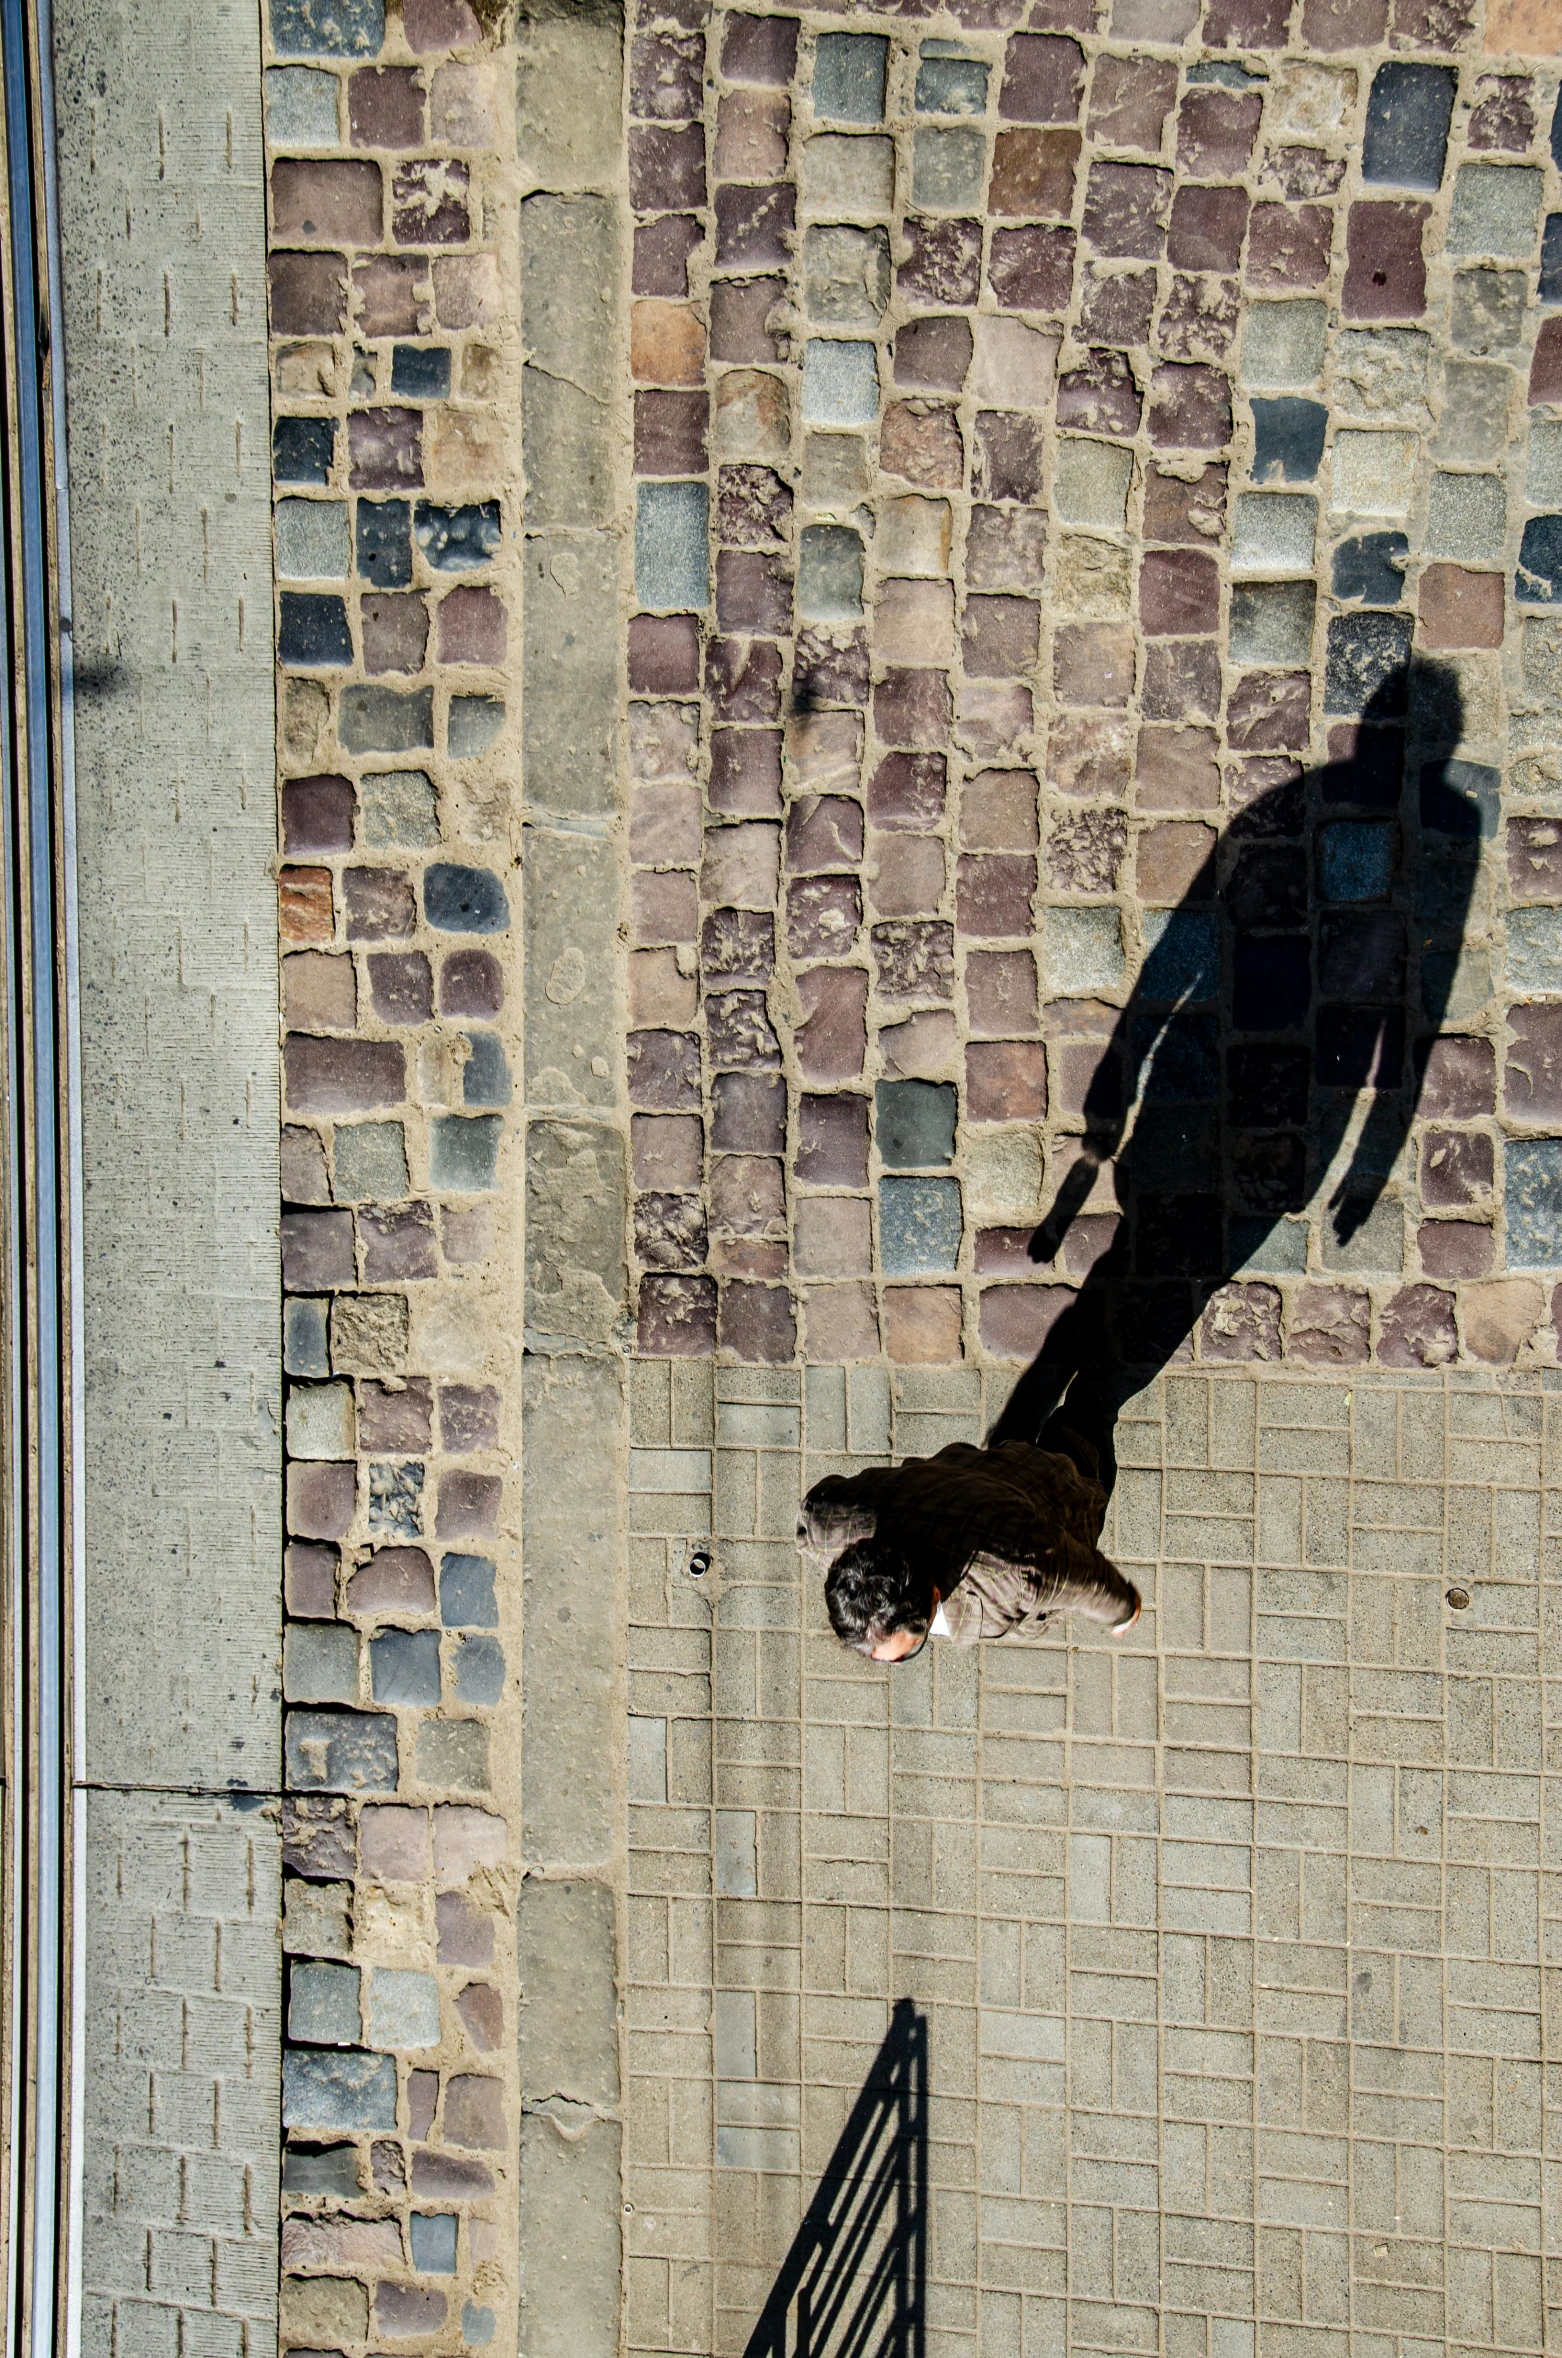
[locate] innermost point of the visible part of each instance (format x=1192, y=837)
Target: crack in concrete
x=572, y=2116
x=575, y=386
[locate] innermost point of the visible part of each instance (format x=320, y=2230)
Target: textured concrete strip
x=569, y=1991
x=569, y=93
x=570, y=2231
x=569, y=264
x=575, y=1418
x=182, y=2119
x=571, y=892
x=163, y=224
x=572, y=1548
x=569, y=2139
x=570, y=667
x=164, y=232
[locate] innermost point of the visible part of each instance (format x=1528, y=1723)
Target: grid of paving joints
x=1230, y=1939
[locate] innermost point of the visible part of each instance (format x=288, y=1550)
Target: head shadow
x=1273, y=1053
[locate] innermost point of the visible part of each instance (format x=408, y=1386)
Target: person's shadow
x=1298, y=984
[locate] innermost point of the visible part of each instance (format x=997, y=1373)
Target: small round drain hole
x=1459, y=1598
x=699, y=1563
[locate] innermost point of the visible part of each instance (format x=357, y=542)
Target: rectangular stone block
x=570, y=1527
x=570, y=2225
x=570, y=887
x=569, y=77
x=570, y=671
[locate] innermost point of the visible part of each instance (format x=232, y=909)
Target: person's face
x=901, y=1644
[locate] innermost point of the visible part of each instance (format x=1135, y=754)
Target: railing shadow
x=854, y=2283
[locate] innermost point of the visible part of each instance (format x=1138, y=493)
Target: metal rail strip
x=45, y=1206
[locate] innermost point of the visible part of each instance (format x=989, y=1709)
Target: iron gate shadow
x=854, y=2284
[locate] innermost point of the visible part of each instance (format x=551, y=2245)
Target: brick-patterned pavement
x=1230, y=1937
x=180, y=2110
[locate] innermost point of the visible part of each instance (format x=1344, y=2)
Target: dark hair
x=871, y=1590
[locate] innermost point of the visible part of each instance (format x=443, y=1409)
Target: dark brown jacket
x=1007, y=1535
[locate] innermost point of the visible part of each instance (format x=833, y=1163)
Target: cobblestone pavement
x=1063, y=468
x=1092, y=481
x=1231, y=1939
x=393, y=356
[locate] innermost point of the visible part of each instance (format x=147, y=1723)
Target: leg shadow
x=854, y=2284
x=1292, y=997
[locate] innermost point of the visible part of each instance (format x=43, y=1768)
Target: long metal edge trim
x=27, y=63
x=16, y=1489
x=73, y=1700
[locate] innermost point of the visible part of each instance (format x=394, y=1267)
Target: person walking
x=973, y=1544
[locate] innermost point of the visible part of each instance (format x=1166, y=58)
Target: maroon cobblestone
x=1247, y=24
x=385, y=107
x=920, y=441
x=1459, y=1081
x=391, y=295
x=1417, y=1328
x=1116, y=306
x=1125, y=210
x=308, y=293
x=943, y=263
x=1216, y=130
x=1043, y=79
x=1033, y=173
x=1385, y=272
x=1015, y=1320
x=1456, y=1168
x=1207, y=228
x=1130, y=98
x=1101, y=397
x=1179, y=594
x=751, y=135
x=386, y=449
x=1199, y=318
x=1242, y=1323
x=326, y=201
x=831, y=1038
x=1289, y=246
x=1532, y=1076
x=661, y=255
x=1330, y=1326
x=1190, y=407
x=666, y=167
x=1030, y=269
x=1455, y=1248
x=760, y=49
